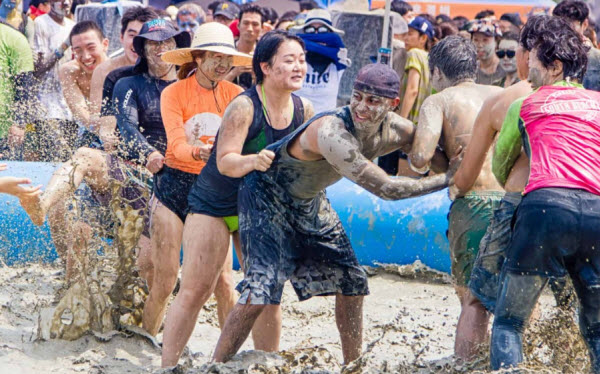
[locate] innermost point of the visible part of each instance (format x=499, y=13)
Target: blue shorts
x=557, y=232
x=492, y=249
x=297, y=239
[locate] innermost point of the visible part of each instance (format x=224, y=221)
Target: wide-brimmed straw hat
x=317, y=15
x=213, y=37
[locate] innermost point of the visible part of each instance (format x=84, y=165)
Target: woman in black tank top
x=252, y=121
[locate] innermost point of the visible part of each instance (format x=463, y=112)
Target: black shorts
x=171, y=188
x=557, y=231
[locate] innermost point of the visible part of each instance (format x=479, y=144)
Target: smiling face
x=132, y=30
x=287, y=68
x=369, y=109
x=508, y=64
x=485, y=45
x=215, y=65
x=89, y=49
x=153, y=50
x=250, y=26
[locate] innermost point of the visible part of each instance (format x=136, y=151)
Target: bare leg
x=348, y=317
x=167, y=230
x=88, y=164
x=224, y=290
x=145, y=263
x=205, y=246
x=236, y=330
x=77, y=255
x=267, y=329
x=472, y=327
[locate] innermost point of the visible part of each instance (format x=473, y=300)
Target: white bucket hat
x=318, y=15
x=214, y=37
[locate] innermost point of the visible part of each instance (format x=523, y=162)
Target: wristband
x=59, y=53
x=196, y=153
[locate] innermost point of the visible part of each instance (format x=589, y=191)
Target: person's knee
x=164, y=282
x=193, y=297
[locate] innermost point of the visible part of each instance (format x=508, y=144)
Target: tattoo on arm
x=232, y=135
x=343, y=152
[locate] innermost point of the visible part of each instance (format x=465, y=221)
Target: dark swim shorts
x=300, y=240
x=555, y=233
x=468, y=220
x=171, y=188
x=492, y=251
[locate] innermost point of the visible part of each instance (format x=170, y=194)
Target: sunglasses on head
x=319, y=30
x=505, y=52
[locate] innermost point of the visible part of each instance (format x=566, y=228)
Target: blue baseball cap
x=423, y=26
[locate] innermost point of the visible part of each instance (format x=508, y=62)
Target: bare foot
x=33, y=207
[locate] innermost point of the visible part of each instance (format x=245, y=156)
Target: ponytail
x=188, y=68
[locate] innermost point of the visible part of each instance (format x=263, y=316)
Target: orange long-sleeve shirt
x=186, y=106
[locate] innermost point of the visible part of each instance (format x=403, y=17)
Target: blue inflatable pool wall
x=398, y=232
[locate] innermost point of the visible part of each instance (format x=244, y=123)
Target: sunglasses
x=505, y=52
x=319, y=30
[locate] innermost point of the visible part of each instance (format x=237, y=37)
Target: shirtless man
x=282, y=207
x=89, y=47
x=131, y=23
x=447, y=118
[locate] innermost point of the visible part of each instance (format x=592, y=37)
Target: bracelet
x=196, y=153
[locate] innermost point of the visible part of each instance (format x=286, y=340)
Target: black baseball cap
x=157, y=30
x=227, y=10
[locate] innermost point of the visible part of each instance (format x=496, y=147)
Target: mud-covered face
x=485, y=45
x=509, y=64
x=368, y=109
x=188, y=22
x=538, y=74
x=89, y=49
x=60, y=8
x=132, y=30
x=288, y=66
x=153, y=50
x=215, y=65
x=522, y=57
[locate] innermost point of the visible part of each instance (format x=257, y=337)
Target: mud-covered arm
x=509, y=143
x=477, y=149
x=309, y=110
x=342, y=151
x=427, y=135
x=73, y=95
x=232, y=135
x=126, y=104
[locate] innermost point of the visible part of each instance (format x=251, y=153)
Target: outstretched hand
x=12, y=186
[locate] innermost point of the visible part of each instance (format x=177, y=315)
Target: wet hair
x=461, y=22
x=445, y=29
x=401, y=7
x=186, y=69
x=252, y=8
x=289, y=16
x=308, y=5
x=267, y=47
x=85, y=26
x=555, y=40
x=140, y=14
x=456, y=57
x=573, y=10
x=485, y=14
x=510, y=36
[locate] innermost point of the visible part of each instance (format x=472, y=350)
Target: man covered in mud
x=556, y=225
x=89, y=48
x=287, y=226
x=447, y=119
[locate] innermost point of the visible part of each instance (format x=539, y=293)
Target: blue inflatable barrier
x=398, y=232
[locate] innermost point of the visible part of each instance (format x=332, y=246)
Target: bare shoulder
x=501, y=101
x=69, y=69
x=238, y=114
x=309, y=110
x=330, y=129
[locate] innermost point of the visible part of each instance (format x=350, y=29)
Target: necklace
x=266, y=111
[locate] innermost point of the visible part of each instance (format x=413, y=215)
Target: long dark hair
x=267, y=47
x=188, y=67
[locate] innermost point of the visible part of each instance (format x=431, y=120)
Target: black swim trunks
x=171, y=188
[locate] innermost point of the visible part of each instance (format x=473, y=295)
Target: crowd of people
x=222, y=125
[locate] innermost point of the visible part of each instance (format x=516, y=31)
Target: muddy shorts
x=556, y=233
x=468, y=220
x=492, y=251
x=130, y=185
x=171, y=188
x=300, y=240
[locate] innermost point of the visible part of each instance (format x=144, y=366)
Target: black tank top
x=215, y=194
